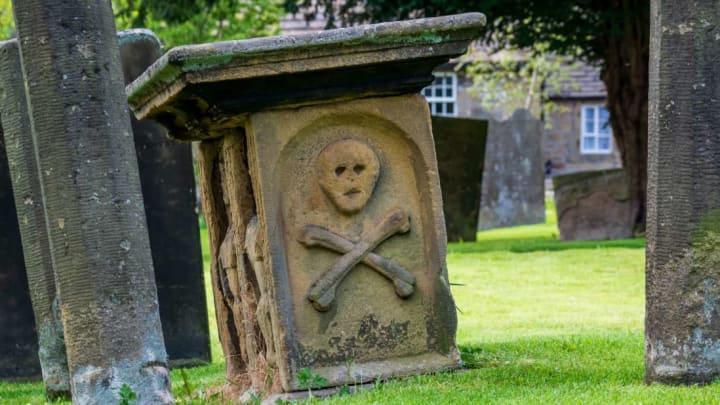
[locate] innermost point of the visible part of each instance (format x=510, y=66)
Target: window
x=441, y=95
x=595, y=135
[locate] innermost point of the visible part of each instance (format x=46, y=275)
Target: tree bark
x=625, y=74
x=93, y=204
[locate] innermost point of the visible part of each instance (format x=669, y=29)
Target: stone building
x=577, y=135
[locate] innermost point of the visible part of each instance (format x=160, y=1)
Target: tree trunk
x=93, y=204
x=625, y=73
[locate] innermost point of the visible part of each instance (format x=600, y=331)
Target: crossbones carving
x=322, y=291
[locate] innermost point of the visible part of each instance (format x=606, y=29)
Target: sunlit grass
x=540, y=321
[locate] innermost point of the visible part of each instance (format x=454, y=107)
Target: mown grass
x=540, y=321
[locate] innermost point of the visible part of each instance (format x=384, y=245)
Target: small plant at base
x=186, y=383
x=127, y=395
x=254, y=399
x=308, y=380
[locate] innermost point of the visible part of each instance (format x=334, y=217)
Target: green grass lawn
x=540, y=321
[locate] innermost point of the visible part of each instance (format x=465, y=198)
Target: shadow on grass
x=544, y=245
x=545, y=369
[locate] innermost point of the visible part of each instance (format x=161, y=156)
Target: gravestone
x=37, y=264
x=513, y=187
x=319, y=185
x=460, y=149
x=18, y=343
x=168, y=187
x=92, y=200
x=682, y=325
x=593, y=205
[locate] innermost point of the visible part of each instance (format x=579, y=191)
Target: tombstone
x=513, y=187
x=168, y=186
x=319, y=185
x=682, y=324
x=460, y=149
x=593, y=205
x=37, y=264
x=18, y=342
x=92, y=200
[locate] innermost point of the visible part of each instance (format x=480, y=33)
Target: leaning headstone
x=168, y=187
x=18, y=343
x=319, y=185
x=33, y=230
x=166, y=174
x=460, y=149
x=92, y=200
x=682, y=325
x=593, y=205
x=513, y=187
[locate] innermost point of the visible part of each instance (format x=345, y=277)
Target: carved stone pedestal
x=320, y=189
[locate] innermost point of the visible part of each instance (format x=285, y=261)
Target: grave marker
x=31, y=221
x=682, y=324
x=166, y=174
x=168, y=187
x=320, y=188
x=92, y=200
x=18, y=343
x=593, y=205
x=513, y=190
x=460, y=149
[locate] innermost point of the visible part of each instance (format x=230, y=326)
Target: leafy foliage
x=180, y=22
x=540, y=30
x=127, y=395
x=308, y=380
x=515, y=79
x=7, y=24
x=581, y=28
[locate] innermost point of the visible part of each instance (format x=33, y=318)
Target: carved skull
x=347, y=172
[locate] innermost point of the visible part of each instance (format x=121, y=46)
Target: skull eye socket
x=358, y=169
x=339, y=170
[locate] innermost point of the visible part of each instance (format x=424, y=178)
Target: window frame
x=595, y=134
x=432, y=100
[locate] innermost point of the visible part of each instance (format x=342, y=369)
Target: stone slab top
x=199, y=90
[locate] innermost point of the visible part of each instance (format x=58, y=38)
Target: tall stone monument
x=166, y=174
x=18, y=343
x=460, y=149
x=92, y=200
x=168, y=187
x=682, y=325
x=35, y=250
x=320, y=189
x=513, y=190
